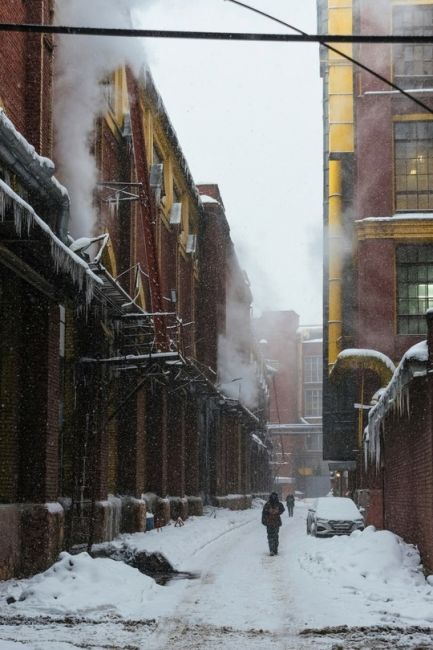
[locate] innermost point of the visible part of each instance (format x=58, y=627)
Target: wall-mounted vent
x=156, y=180
x=176, y=214
x=191, y=243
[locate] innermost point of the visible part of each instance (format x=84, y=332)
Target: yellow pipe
x=335, y=261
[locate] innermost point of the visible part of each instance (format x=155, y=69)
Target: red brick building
x=110, y=403
x=379, y=241
x=295, y=423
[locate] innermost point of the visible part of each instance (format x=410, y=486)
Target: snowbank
x=374, y=577
x=79, y=585
x=179, y=544
x=369, y=578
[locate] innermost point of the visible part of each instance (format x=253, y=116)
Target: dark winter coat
x=271, y=514
x=290, y=500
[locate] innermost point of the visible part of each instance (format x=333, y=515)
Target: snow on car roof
x=336, y=508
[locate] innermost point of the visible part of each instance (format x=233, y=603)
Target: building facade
x=294, y=353
x=378, y=220
x=110, y=403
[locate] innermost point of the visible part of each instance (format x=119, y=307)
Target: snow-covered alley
x=370, y=582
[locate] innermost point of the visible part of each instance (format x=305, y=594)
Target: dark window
x=414, y=288
x=109, y=90
x=413, y=150
x=413, y=63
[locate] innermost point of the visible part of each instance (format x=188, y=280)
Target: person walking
x=271, y=518
x=290, y=502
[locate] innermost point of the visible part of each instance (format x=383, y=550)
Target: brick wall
x=408, y=471
x=278, y=329
x=26, y=72
x=10, y=332
x=214, y=240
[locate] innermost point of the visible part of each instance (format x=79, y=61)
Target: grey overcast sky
x=248, y=117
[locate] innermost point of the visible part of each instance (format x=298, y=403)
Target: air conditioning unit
x=156, y=180
x=191, y=243
x=176, y=214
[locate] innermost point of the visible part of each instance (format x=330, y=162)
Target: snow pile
x=371, y=578
x=337, y=508
x=375, y=557
x=179, y=544
x=379, y=570
x=80, y=585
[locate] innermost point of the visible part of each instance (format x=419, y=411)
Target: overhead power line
x=389, y=39
x=216, y=36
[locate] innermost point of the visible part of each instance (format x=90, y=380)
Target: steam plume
x=82, y=62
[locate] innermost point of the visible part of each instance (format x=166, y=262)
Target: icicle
x=24, y=218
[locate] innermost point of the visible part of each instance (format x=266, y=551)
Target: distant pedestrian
x=290, y=501
x=271, y=518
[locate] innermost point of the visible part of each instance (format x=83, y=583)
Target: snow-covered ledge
x=64, y=259
x=363, y=359
x=395, y=396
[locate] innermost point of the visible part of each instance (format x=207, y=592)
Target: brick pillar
x=222, y=449
x=130, y=446
x=94, y=403
x=232, y=458
x=39, y=426
x=429, y=318
x=176, y=446
x=156, y=440
x=239, y=449
x=10, y=334
x=39, y=62
x=246, y=460
x=192, y=449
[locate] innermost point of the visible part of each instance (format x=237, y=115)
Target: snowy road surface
x=366, y=591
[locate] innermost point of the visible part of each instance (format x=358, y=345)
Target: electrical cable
x=219, y=36
x=345, y=56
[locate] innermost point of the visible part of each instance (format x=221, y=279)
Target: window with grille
x=413, y=164
x=312, y=370
x=413, y=63
x=313, y=403
x=414, y=287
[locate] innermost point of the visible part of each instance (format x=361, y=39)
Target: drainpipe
x=335, y=261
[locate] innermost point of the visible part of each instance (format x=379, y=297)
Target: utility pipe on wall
x=335, y=261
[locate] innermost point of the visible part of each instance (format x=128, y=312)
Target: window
x=414, y=287
x=157, y=174
x=313, y=370
x=109, y=90
x=313, y=442
x=413, y=63
x=176, y=208
x=313, y=403
x=413, y=150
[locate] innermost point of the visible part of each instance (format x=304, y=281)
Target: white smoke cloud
x=237, y=369
x=82, y=62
